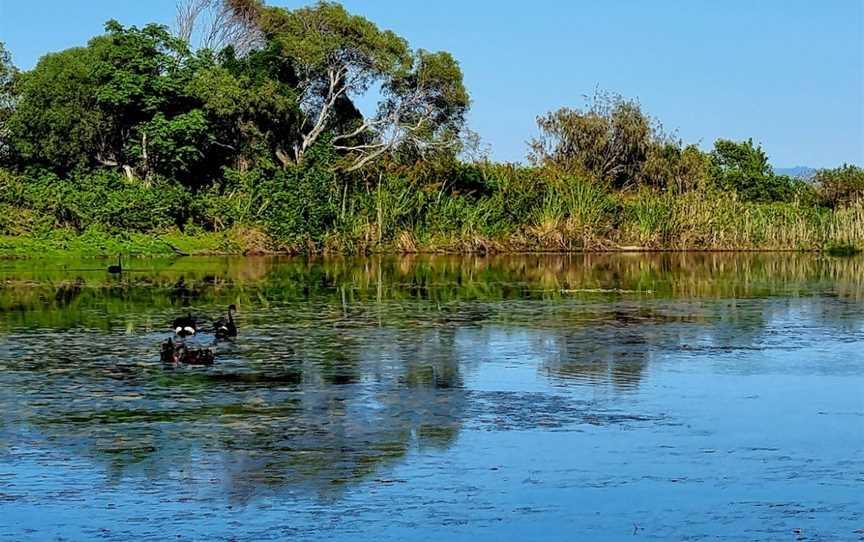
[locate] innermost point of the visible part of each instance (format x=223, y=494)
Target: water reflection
x=31, y=291
x=345, y=369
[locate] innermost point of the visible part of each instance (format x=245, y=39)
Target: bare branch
x=216, y=24
x=361, y=147
x=336, y=88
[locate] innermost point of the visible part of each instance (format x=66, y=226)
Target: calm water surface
x=617, y=397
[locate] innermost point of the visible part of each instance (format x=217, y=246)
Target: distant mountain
x=800, y=172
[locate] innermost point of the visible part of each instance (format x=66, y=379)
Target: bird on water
x=185, y=326
x=175, y=353
x=226, y=329
x=116, y=269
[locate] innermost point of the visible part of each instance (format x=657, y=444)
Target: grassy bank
x=562, y=219
x=97, y=244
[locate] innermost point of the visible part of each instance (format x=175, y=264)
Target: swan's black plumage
x=168, y=354
x=202, y=356
x=185, y=326
x=116, y=268
x=226, y=329
x=179, y=353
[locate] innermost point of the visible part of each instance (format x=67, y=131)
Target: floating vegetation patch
x=519, y=411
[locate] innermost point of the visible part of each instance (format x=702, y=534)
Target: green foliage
x=608, y=140
x=337, y=56
x=653, y=218
x=325, y=36
x=744, y=168
x=842, y=186
x=8, y=97
x=57, y=122
x=136, y=135
x=431, y=100
x=96, y=241
x=298, y=205
x=122, y=102
x=252, y=104
x=156, y=125
x=7, y=77
x=669, y=166
x=139, y=71
x=54, y=202
x=176, y=146
x=140, y=101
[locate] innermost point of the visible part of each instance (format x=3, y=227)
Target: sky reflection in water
x=706, y=396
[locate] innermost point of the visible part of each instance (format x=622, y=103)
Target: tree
x=121, y=102
x=423, y=110
x=744, y=168
x=672, y=166
x=57, y=122
x=252, y=104
x=608, y=140
x=8, y=98
x=338, y=56
x=141, y=76
x=841, y=186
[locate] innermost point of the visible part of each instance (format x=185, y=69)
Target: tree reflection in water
x=345, y=367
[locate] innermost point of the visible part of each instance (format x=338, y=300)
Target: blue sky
x=788, y=73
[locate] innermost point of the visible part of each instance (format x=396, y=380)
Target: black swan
x=168, y=353
x=226, y=329
x=174, y=353
x=116, y=268
x=185, y=326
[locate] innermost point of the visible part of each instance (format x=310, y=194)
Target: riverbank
x=510, y=211
x=95, y=243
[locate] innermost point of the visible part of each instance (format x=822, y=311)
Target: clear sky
x=788, y=73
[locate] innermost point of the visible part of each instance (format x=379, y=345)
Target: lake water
x=584, y=397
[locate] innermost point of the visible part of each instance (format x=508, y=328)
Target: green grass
x=95, y=243
x=526, y=215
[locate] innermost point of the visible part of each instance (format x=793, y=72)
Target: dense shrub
x=841, y=186
x=300, y=204
x=608, y=140
x=101, y=198
x=744, y=168
x=672, y=167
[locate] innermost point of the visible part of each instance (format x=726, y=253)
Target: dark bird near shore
x=226, y=329
x=116, y=269
x=174, y=353
x=168, y=352
x=185, y=326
